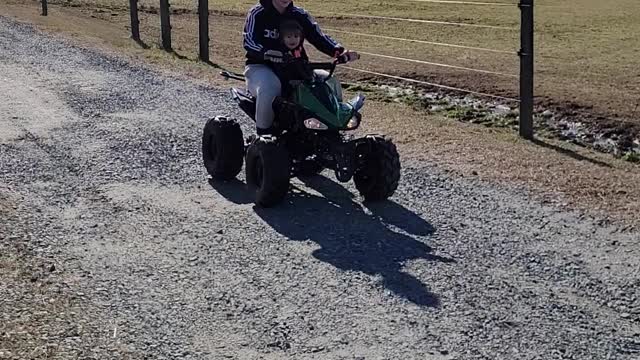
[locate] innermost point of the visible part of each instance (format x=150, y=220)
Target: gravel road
x=102, y=186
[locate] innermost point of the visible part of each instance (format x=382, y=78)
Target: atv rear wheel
x=267, y=171
x=222, y=148
x=378, y=178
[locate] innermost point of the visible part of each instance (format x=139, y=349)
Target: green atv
x=309, y=135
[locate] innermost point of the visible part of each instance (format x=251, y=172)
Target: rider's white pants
x=264, y=85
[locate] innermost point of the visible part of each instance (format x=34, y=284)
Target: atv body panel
x=319, y=99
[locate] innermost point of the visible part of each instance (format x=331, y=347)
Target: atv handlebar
x=342, y=59
x=329, y=66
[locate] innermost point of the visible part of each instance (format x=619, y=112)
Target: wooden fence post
x=135, y=22
x=526, y=69
x=203, y=25
x=165, y=24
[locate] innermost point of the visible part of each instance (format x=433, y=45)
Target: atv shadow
x=352, y=239
x=233, y=190
x=392, y=213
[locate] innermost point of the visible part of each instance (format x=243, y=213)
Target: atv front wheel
x=222, y=148
x=267, y=171
x=378, y=177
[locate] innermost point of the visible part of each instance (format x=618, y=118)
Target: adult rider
x=264, y=48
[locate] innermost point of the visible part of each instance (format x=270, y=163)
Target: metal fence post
x=135, y=22
x=526, y=69
x=44, y=8
x=165, y=25
x=203, y=12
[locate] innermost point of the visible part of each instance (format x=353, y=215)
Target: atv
x=311, y=133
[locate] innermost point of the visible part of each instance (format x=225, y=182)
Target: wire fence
x=422, y=21
x=525, y=53
x=433, y=84
x=422, y=41
x=396, y=77
x=465, y=2
x=419, y=61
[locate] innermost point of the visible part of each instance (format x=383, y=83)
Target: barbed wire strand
x=403, y=39
x=510, y=75
x=426, y=62
x=466, y=2
x=515, y=5
x=225, y=43
x=424, y=42
x=417, y=20
x=414, y=81
x=231, y=31
x=431, y=84
x=439, y=64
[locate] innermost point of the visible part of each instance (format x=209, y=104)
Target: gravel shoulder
x=114, y=245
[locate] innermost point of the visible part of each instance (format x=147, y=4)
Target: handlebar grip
x=342, y=59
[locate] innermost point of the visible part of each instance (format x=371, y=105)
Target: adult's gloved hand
x=348, y=56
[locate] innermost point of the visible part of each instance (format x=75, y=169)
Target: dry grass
x=584, y=179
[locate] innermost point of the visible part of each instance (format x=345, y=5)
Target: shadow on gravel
x=352, y=239
x=233, y=190
x=392, y=213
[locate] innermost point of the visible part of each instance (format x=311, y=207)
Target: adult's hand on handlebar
x=353, y=55
x=348, y=56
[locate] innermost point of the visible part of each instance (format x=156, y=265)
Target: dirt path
x=101, y=177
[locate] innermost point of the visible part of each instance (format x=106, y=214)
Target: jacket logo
x=273, y=34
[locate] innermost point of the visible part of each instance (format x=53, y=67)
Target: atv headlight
x=315, y=124
x=353, y=123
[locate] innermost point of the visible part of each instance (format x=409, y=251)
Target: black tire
x=267, y=171
x=222, y=148
x=378, y=178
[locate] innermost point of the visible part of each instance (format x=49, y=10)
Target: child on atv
x=265, y=48
x=292, y=39
x=294, y=54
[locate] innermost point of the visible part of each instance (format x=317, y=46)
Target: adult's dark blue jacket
x=261, y=31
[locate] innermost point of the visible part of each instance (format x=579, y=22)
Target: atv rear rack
x=229, y=75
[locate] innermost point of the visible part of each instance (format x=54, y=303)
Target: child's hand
x=277, y=57
x=274, y=56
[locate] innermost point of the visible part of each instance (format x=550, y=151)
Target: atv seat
x=245, y=100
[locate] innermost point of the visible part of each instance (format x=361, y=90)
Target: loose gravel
x=107, y=211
